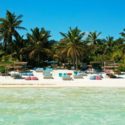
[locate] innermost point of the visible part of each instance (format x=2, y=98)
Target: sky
x=106, y=16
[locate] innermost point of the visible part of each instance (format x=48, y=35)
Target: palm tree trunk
x=76, y=63
x=38, y=59
x=5, y=44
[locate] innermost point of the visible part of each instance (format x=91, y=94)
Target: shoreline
x=58, y=83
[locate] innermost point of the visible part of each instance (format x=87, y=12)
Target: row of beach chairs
x=65, y=76
x=47, y=74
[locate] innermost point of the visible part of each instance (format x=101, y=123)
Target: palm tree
x=73, y=45
x=37, y=48
x=8, y=28
x=93, y=37
x=113, y=49
x=94, y=44
x=119, y=50
x=123, y=33
x=58, y=53
x=108, y=45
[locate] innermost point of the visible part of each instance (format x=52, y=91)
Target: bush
x=2, y=69
x=121, y=68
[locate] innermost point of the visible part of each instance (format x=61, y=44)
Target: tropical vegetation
x=75, y=47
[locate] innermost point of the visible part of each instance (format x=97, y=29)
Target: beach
x=7, y=81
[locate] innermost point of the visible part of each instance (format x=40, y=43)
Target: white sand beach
x=7, y=81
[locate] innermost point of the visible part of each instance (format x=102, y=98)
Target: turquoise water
x=62, y=106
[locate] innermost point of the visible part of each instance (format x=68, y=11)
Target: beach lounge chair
x=26, y=74
x=28, y=78
x=98, y=77
x=75, y=72
x=69, y=73
x=17, y=76
x=48, y=69
x=60, y=74
x=33, y=78
x=47, y=75
x=67, y=77
x=39, y=69
x=30, y=74
x=80, y=76
x=93, y=77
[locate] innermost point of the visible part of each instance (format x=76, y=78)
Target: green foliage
x=8, y=59
x=9, y=27
x=2, y=69
x=72, y=45
x=121, y=68
x=72, y=49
